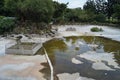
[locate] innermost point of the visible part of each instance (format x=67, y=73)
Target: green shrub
x=6, y=24
x=1, y=17
x=100, y=18
x=96, y=29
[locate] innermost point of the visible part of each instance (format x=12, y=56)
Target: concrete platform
x=22, y=50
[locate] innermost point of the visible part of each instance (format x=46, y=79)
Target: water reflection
x=46, y=71
x=89, y=52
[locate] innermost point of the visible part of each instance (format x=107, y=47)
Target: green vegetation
x=100, y=11
x=96, y=29
x=33, y=10
x=6, y=24
x=35, y=16
x=32, y=16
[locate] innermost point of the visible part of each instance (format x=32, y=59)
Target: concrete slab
x=22, y=51
x=14, y=67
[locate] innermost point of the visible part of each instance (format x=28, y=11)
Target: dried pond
x=84, y=58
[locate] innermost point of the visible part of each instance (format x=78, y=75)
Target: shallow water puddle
x=92, y=58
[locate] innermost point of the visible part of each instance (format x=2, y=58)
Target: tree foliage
x=44, y=11
x=90, y=6
x=6, y=24
x=103, y=9
x=37, y=10
x=1, y=6
x=117, y=11
x=60, y=10
x=101, y=6
x=34, y=10
x=111, y=7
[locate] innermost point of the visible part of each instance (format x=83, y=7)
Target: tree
x=6, y=24
x=76, y=14
x=90, y=10
x=33, y=10
x=110, y=7
x=60, y=9
x=13, y=7
x=101, y=6
x=1, y=6
x=96, y=6
x=90, y=6
x=37, y=10
x=100, y=17
x=117, y=11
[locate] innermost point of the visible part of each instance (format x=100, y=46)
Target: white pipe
x=50, y=64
